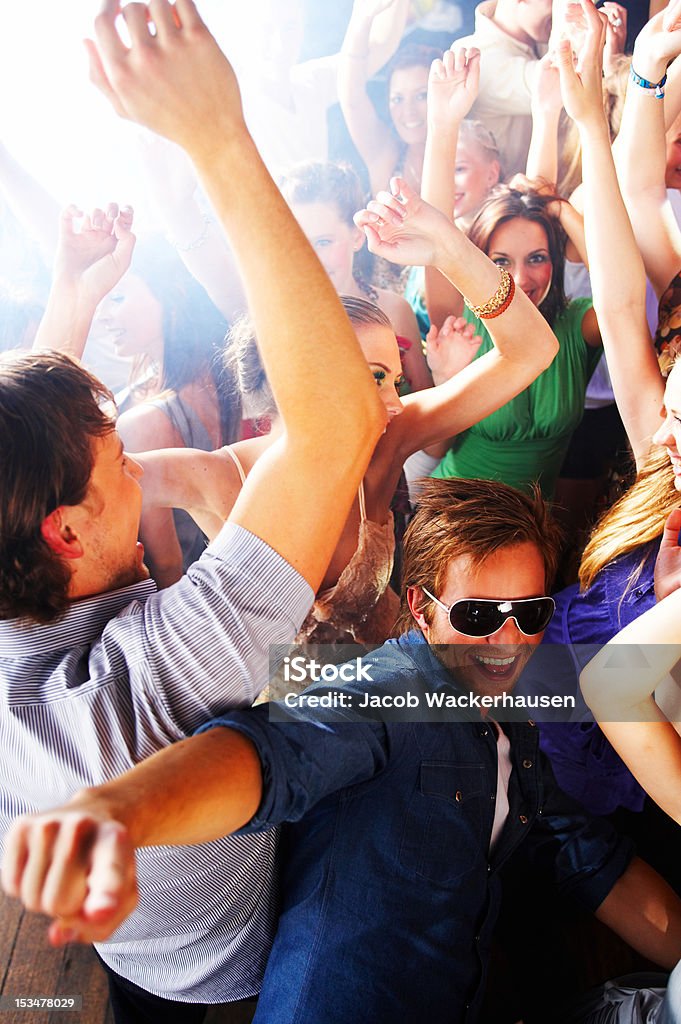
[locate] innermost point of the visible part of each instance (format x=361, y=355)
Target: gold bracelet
x=500, y=296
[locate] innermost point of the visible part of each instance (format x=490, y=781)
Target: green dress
x=526, y=440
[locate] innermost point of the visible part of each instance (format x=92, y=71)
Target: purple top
x=584, y=763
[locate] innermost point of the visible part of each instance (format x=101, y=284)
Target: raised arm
x=195, y=234
x=402, y=227
x=30, y=202
x=373, y=138
x=452, y=89
x=547, y=103
x=89, y=262
x=178, y=83
x=620, y=690
x=642, y=132
x=618, y=286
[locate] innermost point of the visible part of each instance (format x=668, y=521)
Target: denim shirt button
x=458, y=796
x=483, y=732
x=527, y=763
x=523, y=819
x=531, y=722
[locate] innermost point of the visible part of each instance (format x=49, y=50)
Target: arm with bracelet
x=402, y=227
x=641, y=148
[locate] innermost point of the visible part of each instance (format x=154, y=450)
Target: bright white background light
x=54, y=121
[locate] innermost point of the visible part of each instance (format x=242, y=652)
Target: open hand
x=176, y=82
x=582, y=86
x=402, y=227
x=615, y=32
x=453, y=85
x=546, y=95
x=451, y=348
x=658, y=42
x=78, y=867
x=94, y=256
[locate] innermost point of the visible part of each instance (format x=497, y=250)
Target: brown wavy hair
x=475, y=518
x=504, y=204
x=50, y=414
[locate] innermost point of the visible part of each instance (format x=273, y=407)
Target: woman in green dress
x=527, y=438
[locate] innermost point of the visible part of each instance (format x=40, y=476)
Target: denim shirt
x=389, y=895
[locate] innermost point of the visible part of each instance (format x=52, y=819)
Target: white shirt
x=507, y=72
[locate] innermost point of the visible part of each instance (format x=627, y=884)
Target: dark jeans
x=134, y=1005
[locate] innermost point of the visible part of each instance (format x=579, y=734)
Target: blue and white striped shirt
x=122, y=675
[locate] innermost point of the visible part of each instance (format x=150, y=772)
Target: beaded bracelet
x=500, y=301
x=643, y=83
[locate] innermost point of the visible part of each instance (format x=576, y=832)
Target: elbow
x=364, y=427
x=371, y=424
x=549, y=351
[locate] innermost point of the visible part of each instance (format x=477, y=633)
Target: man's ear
x=59, y=536
x=358, y=239
x=416, y=599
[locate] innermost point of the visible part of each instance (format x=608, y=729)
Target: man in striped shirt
x=98, y=670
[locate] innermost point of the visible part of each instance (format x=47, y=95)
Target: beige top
x=361, y=607
x=507, y=70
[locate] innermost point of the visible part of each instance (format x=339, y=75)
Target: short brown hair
x=473, y=518
x=50, y=413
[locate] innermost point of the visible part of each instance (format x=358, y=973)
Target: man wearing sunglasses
x=397, y=829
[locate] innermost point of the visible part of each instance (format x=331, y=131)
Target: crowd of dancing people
x=399, y=371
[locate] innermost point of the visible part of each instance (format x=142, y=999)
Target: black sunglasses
x=481, y=617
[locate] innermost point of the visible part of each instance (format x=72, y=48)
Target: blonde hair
x=614, y=91
x=635, y=520
x=475, y=132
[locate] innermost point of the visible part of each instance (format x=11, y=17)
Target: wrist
x=450, y=250
x=443, y=131
x=69, y=287
x=95, y=804
x=648, y=66
x=594, y=128
x=229, y=142
x=545, y=115
x=357, y=35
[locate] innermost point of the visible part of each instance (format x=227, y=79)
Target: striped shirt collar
x=82, y=623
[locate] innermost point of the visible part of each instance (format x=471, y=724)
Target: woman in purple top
x=621, y=575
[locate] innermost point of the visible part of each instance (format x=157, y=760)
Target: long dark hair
x=193, y=328
x=505, y=204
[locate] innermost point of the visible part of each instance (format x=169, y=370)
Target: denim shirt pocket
x=445, y=821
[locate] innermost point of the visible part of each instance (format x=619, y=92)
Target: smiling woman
x=391, y=148
x=525, y=441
